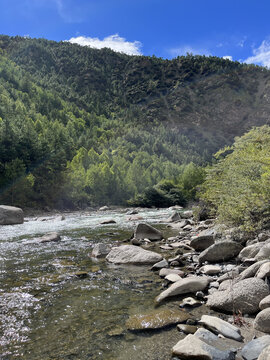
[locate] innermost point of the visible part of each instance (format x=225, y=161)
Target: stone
x=130, y=254
x=187, y=214
x=104, y=208
x=265, y=354
x=179, y=244
x=166, y=247
x=100, y=250
x=210, y=269
x=203, y=240
x=174, y=217
x=243, y=296
x=81, y=274
x=187, y=228
x=262, y=321
x=220, y=326
x=107, y=221
x=187, y=329
x=165, y=272
x=184, y=286
x=172, y=278
x=250, y=251
x=264, y=253
x=10, y=215
x=189, y=301
x=156, y=319
x=251, y=270
x=265, y=303
x=264, y=270
x=192, y=347
x=51, y=237
x=252, y=349
x=220, y=251
x=143, y=231
x=159, y=265
x=132, y=212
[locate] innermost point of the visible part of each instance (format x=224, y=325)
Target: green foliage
x=237, y=187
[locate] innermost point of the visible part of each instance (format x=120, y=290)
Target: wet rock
x=81, y=274
x=51, y=237
x=262, y=321
x=187, y=329
x=265, y=354
x=203, y=240
x=165, y=272
x=156, y=319
x=172, y=278
x=159, y=265
x=132, y=212
x=143, y=231
x=135, y=218
x=174, y=217
x=130, y=254
x=220, y=251
x=243, y=296
x=10, y=215
x=250, y=251
x=210, y=269
x=107, y=221
x=220, y=326
x=184, y=286
x=252, y=349
x=265, y=303
x=191, y=347
x=116, y=331
x=100, y=250
x=264, y=270
x=104, y=208
x=189, y=301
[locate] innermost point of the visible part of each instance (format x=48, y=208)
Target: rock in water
x=184, y=286
x=10, y=215
x=174, y=217
x=262, y=321
x=244, y=295
x=156, y=319
x=220, y=326
x=130, y=254
x=145, y=231
x=100, y=250
x=220, y=251
x=252, y=349
x=51, y=237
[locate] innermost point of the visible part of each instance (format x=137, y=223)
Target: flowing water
x=49, y=311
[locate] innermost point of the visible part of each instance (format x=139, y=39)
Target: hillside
x=87, y=126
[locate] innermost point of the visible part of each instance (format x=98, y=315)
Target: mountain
x=88, y=126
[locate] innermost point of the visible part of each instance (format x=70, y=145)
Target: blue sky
x=239, y=29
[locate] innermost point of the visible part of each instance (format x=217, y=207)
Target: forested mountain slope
x=86, y=126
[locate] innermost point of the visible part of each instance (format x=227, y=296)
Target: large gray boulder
x=130, y=254
x=262, y=321
x=184, y=286
x=220, y=251
x=264, y=270
x=244, y=296
x=265, y=303
x=145, y=231
x=203, y=240
x=264, y=253
x=100, y=250
x=50, y=237
x=251, y=270
x=250, y=251
x=220, y=326
x=265, y=354
x=10, y=215
x=253, y=349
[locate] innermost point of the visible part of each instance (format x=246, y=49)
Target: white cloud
x=114, y=42
x=228, y=57
x=261, y=55
x=188, y=49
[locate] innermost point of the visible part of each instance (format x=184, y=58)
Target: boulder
x=172, y=278
x=189, y=301
x=184, y=286
x=262, y=321
x=156, y=319
x=164, y=272
x=159, y=265
x=210, y=269
x=265, y=354
x=107, y=221
x=243, y=296
x=253, y=349
x=191, y=347
x=203, y=240
x=264, y=253
x=220, y=326
x=187, y=214
x=187, y=329
x=250, y=251
x=264, y=270
x=130, y=254
x=251, y=270
x=220, y=251
x=104, y=208
x=10, y=215
x=265, y=303
x=51, y=237
x=174, y=217
x=100, y=250
x=145, y=231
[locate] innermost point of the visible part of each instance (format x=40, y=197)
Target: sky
x=236, y=29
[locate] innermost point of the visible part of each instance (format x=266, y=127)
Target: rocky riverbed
x=80, y=286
